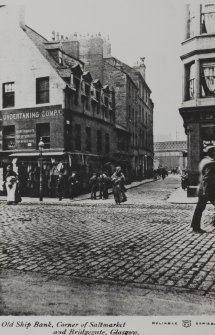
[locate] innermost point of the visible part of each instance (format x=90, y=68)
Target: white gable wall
x=21, y=62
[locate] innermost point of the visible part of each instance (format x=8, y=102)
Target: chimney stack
x=53, y=35
x=141, y=67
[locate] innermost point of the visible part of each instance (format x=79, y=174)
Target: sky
x=137, y=28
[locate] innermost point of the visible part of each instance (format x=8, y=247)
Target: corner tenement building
x=198, y=105
x=46, y=93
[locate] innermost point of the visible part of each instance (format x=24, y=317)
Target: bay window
x=208, y=79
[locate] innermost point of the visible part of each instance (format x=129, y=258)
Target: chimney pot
x=53, y=35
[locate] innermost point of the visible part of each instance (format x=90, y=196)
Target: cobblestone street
x=145, y=242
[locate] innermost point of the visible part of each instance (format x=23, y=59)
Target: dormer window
x=92, y=91
x=98, y=94
x=83, y=86
x=106, y=100
x=60, y=57
x=87, y=89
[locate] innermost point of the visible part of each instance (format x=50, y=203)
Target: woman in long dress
x=11, y=183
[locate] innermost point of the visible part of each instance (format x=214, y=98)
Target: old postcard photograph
x=107, y=167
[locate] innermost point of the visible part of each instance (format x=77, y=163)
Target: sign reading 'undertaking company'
x=32, y=114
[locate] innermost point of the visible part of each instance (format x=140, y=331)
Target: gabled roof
x=106, y=89
x=87, y=77
x=76, y=69
x=97, y=83
x=46, y=50
x=130, y=71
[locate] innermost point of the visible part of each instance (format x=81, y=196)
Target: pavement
x=179, y=196
x=95, y=257
x=82, y=197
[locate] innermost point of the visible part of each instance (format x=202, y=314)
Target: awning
x=36, y=154
x=53, y=153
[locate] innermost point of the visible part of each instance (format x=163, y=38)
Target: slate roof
x=46, y=48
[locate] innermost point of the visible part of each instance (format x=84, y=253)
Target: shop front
x=54, y=163
x=27, y=166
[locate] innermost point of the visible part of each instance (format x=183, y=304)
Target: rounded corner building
x=198, y=101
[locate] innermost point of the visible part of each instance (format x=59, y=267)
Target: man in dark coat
x=103, y=185
x=93, y=182
x=206, y=188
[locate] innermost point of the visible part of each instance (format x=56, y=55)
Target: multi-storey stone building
x=47, y=93
x=134, y=107
x=198, y=104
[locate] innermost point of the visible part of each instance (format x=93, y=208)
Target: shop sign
x=25, y=136
x=32, y=114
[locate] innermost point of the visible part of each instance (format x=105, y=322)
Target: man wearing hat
x=206, y=188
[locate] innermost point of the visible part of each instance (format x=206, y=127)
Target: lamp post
x=41, y=146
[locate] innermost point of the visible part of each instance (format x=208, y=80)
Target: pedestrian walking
x=206, y=188
x=12, y=187
x=118, y=182
x=93, y=182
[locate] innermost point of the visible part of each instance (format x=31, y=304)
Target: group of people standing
x=98, y=182
x=102, y=181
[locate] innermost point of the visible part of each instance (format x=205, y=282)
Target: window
x=8, y=95
x=8, y=137
x=98, y=95
x=77, y=137
x=43, y=131
x=87, y=89
x=111, y=116
x=77, y=83
x=191, y=21
x=208, y=135
x=60, y=57
x=42, y=90
x=208, y=19
x=88, y=138
x=87, y=92
x=208, y=79
x=106, y=101
x=135, y=118
x=107, y=143
x=99, y=141
x=129, y=89
x=190, y=81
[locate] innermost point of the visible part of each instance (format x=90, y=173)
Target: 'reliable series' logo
x=186, y=323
